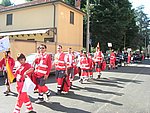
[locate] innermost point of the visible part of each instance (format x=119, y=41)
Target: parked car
x=137, y=58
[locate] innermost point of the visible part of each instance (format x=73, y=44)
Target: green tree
x=143, y=24
x=111, y=21
x=6, y=2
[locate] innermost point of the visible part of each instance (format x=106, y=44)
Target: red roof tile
x=1, y=6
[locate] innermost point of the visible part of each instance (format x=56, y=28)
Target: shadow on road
x=60, y=108
x=125, y=80
x=106, y=83
x=89, y=89
x=74, y=96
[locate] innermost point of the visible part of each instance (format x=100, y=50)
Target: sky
x=135, y=4
x=146, y=3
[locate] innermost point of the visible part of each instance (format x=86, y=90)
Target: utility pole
x=88, y=27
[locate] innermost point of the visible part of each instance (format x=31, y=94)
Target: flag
x=9, y=72
x=77, y=3
x=4, y=44
x=28, y=85
x=98, y=45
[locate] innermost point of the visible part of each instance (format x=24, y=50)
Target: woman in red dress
x=20, y=78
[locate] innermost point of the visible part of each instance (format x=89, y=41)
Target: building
x=51, y=21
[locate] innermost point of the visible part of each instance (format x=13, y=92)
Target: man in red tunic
x=61, y=69
x=11, y=63
x=98, y=59
x=84, y=65
x=91, y=65
x=112, y=60
x=70, y=64
x=41, y=72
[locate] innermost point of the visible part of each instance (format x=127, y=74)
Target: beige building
x=50, y=21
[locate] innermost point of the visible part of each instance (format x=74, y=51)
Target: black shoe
x=32, y=112
x=6, y=93
x=99, y=76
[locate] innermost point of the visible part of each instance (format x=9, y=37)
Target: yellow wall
x=69, y=34
x=27, y=47
x=42, y=16
x=28, y=18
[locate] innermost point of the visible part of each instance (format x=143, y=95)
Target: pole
x=145, y=44
x=88, y=26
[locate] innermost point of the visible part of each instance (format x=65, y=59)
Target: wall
x=27, y=47
x=29, y=18
x=69, y=35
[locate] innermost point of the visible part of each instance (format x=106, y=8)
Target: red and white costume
x=98, y=59
x=129, y=58
x=112, y=60
x=42, y=69
x=84, y=65
x=11, y=63
x=91, y=65
x=22, y=96
x=70, y=66
x=61, y=67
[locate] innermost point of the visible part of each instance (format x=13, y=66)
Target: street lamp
x=88, y=27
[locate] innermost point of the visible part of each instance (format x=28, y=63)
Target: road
x=125, y=90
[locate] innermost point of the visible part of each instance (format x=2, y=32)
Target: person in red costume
x=20, y=75
x=129, y=57
x=60, y=63
x=84, y=65
x=41, y=72
x=98, y=59
x=91, y=65
x=112, y=60
x=70, y=64
x=11, y=62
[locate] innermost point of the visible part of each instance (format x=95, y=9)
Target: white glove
x=18, y=77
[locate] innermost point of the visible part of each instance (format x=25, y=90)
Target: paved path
x=125, y=90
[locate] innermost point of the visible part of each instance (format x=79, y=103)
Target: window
x=9, y=19
x=31, y=39
x=71, y=17
x=49, y=39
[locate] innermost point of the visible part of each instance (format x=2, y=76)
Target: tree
x=111, y=21
x=143, y=24
x=6, y=2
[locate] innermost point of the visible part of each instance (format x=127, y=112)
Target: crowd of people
x=67, y=65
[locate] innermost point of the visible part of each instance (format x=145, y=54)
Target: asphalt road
x=125, y=90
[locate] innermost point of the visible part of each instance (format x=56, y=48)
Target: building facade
x=50, y=21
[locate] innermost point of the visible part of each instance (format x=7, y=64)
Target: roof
x=1, y=6
x=25, y=32
x=32, y=3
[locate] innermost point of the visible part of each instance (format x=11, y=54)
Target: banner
x=9, y=72
x=4, y=44
x=28, y=86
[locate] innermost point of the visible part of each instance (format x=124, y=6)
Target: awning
x=24, y=32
